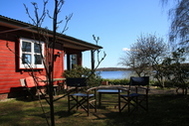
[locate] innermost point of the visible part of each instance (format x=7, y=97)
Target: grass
x=164, y=110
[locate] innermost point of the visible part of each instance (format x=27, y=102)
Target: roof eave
x=19, y=25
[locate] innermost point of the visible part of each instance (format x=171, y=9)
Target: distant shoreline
x=112, y=69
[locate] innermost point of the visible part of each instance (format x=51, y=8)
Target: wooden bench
x=31, y=82
x=34, y=85
x=40, y=82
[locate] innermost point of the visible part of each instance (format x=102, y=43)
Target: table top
x=58, y=79
x=54, y=79
x=108, y=90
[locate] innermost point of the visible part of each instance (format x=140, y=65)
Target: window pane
x=26, y=46
x=38, y=59
x=37, y=48
x=26, y=58
x=73, y=60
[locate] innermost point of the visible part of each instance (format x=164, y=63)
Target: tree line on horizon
x=112, y=69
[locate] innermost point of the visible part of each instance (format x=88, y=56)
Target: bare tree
x=48, y=59
x=145, y=55
x=176, y=70
x=179, y=15
x=99, y=59
x=179, y=33
x=131, y=60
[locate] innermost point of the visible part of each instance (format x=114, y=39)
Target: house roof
x=67, y=41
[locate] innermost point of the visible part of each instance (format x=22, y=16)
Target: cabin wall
x=58, y=63
x=10, y=75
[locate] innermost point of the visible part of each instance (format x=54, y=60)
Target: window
x=73, y=60
x=31, y=52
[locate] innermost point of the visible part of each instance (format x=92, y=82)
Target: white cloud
x=126, y=49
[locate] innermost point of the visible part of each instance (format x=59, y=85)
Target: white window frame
x=32, y=53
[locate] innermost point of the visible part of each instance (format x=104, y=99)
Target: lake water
x=115, y=74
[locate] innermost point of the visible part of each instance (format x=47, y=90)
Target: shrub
x=117, y=81
x=92, y=78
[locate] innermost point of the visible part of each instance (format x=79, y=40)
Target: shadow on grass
x=164, y=110
x=62, y=114
x=31, y=99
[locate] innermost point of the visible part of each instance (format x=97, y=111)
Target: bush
x=169, y=84
x=78, y=71
x=117, y=81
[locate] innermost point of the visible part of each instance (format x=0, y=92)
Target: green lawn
x=164, y=110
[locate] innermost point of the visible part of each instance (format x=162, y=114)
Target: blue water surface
x=115, y=74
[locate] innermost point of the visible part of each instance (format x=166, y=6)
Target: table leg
x=99, y=99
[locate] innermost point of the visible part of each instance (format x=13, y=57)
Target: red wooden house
x=14, y=35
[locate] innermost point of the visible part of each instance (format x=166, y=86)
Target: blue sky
x=118, y=23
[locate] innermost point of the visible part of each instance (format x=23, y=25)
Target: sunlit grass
x=164, y=110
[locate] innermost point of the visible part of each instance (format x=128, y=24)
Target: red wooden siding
x=10, y=75
x=58, y=64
